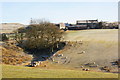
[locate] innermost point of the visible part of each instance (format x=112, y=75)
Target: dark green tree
x=40, y=35
x=43, y=35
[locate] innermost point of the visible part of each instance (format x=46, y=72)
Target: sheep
x=34, y=63
x=86, y=69
x=93, y=62
x=106, y=68
x=83, y=69
x=59, y=55
x=54, y=54
x=82, y=52
x=66, y=42
x=39, y=62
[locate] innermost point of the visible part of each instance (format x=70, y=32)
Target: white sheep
x=83, y=52
x=93, y=62
x=86, y=69
x=59, y=55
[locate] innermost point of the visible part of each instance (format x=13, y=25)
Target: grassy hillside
x=92, y=35
x=100, y=46
x=28, y=72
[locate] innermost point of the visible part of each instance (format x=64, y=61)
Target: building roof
x=87, y=21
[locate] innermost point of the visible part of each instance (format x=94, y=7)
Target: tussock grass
x=13, y=55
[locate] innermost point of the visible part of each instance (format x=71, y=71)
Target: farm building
x=77, y=27
x=90, y=24
x=62, y=25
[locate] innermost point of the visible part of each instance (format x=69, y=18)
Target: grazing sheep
x=58, y=55
x=82, y=52
x=35, y=63
x=86, y=69
x=66, y=42
x=54, y=54
x=93, y=62
x=106, y=68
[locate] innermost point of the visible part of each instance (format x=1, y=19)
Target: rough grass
x=92, y=35
x=10, y=71
x=13, y=55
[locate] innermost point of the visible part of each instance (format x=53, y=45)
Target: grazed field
x=100, y=46
x=28, y=72
x=93, y=34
